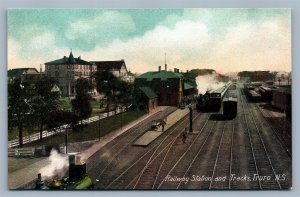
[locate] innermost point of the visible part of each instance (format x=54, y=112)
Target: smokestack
x=71, y=159
x=166, y=67
x=159, y=68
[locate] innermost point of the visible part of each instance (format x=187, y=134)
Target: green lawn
x=64, y=103
x=91, y=131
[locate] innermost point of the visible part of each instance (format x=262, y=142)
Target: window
x=56, y=74
x=68, y=66
x=56, y=66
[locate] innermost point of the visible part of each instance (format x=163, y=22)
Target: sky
x=227, y=40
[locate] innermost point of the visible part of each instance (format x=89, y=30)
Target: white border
x=294, y=4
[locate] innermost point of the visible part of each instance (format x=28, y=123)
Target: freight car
x=77, y=179
x=266, y=93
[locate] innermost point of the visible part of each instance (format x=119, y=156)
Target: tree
x=107, y=84
x=18, y=106
x=126, y=94
x=81, y=105
x=44, y=102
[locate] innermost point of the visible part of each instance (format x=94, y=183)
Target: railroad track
x=181, y=168
x=120, y=181
x=265, y=176
x=106, y=156
x=157, y=168
x=278, y=153
x=277, y=130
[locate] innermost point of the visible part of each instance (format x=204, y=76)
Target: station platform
x=151, y=135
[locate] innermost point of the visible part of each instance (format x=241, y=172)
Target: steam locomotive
x=77, y=179
x=212, y=99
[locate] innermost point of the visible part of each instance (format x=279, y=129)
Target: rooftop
x=163, y=75
x=148, y=92
x=68, y=60
x=17, y=72
x=109, y=65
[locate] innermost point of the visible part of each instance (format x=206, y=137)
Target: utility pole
x=191, y=118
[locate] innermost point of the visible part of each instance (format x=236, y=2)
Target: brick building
x=170, y=87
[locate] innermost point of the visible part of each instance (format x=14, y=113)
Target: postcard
x=149, y=99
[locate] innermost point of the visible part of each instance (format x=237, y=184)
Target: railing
x=60, y=129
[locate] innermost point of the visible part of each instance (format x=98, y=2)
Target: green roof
x=148, y=92
x=68, y=60
x=188, y=86
x=163, y=75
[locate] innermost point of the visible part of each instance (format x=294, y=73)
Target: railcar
x=229, y=104
x=266, y=93
x=230, y=107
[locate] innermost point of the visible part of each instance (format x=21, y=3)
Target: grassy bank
x=91, y=131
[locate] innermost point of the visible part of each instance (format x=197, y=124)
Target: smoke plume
x=207, y=82
x=57, y=167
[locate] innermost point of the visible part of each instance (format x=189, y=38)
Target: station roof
x=163, y=75
x=148, y=92
x=188, y=86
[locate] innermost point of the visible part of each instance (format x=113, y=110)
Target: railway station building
x=170, y=87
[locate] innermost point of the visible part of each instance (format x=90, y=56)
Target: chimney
x=166, y=67
x=65, y=59
x=187, y=71
x=175, y=69
x=40, y=68
x=159, y=68
x=79, y=57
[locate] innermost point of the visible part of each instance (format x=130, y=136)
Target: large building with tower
x=67, y=70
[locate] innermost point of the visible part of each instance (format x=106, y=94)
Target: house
x=66, y=70
x=118, y=68
x=24, y=74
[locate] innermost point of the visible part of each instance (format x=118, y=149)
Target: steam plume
x=57, y=167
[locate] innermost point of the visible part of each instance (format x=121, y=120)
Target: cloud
x=255, y=47
x=101, y=28
x=147, y=52
x=246, y=46
x=189, y=43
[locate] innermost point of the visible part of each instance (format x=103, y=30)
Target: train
x=229, y=104
x=77, y=179
x=212, y=99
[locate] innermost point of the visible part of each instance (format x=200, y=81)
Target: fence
x=60, y=129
